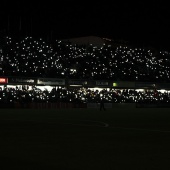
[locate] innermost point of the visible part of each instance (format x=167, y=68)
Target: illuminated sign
x=114, y=84
x=3, y=80
x=22, y=80
x=51, y=81
x=102, y=83
x=25, y=80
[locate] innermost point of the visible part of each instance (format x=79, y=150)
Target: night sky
x=138, y=22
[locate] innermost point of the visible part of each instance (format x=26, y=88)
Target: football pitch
x=85, y=139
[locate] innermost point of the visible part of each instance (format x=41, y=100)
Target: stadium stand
x=74, y=68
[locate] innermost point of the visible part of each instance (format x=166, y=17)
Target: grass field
x=85, y=139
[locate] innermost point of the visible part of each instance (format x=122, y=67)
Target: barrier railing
x=60, y=105
x=56, y=105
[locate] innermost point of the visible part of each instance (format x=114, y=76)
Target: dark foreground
x=85, y=139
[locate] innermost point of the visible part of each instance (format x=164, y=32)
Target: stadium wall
x=60, y=105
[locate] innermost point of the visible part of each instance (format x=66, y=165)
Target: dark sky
x=140, y=22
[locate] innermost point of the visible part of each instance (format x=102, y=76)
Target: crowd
x=35, y=58
x=82, y=95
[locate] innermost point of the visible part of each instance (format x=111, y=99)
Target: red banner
x=3, y=80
